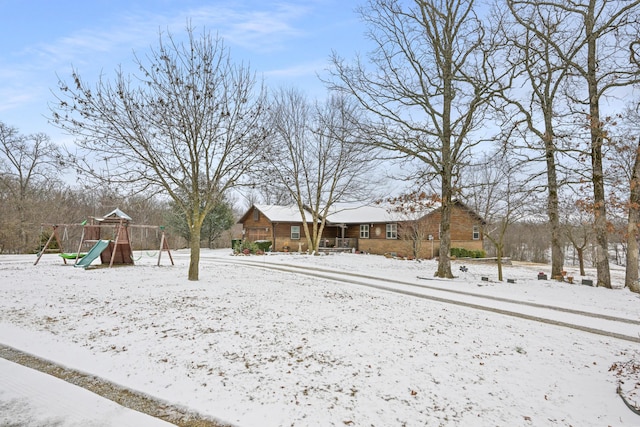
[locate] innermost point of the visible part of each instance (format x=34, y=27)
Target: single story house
x=372, y=229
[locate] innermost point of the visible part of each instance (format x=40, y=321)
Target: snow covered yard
x=255, y=347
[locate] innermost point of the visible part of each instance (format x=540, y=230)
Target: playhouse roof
x=117, y=214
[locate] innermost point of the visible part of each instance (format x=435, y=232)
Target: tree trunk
x=600, y=213
x=313, y=238
x=557, y=257
x=599, y=203
x=448, y=94
x=580, y=252
x=316, y=239
x=194, y=246
x=631, y=273
x=499, y=261
x=444, y=263
x=22, y=234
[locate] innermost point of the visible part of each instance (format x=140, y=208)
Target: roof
x=277, y=213
x=356, y=214
x=340, y=214
x=346, y=213
x=116, y=214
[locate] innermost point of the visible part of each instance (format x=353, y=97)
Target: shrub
x=466, y=253
x=263, y=245
x=246, y=247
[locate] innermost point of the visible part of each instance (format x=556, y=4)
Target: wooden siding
x=257, y=230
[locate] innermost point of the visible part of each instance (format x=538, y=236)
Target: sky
x=287, y=42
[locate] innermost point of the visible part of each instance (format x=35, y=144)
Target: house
x=282, y=225
x=372, y=229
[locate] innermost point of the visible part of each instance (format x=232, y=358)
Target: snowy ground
x=256, y=347
x=30, y=398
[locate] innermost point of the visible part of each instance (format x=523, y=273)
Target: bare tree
x=189, y=125
x=624, y=178
x=604, y=33
x=540, y=108
x=428, y=90
x=631, y=273
x=500, y=193
x=29, y=164
x=269, y=190
x=578, y=228
x=317, y=157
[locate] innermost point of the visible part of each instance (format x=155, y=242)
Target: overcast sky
x=288, y=42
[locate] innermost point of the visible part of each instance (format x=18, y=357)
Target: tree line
x=510, y=107
x=35, y=195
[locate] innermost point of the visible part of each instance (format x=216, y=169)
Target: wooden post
x=164, y=246
x=115, y=244
x=54, y=234
x=80, y=244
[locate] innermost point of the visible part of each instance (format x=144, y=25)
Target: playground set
x=108, y=238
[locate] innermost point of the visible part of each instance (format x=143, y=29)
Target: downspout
x=273, y=236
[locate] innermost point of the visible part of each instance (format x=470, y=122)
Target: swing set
x=108, y=238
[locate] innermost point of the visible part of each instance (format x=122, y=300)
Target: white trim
x=476, y=232
x=365, y=231
x=392, y=231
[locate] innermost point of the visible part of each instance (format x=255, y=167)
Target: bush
x=466, y=253
x=246, y=247
x=263, y=245
x=235, y=244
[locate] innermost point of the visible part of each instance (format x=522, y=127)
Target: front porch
x=338, y=244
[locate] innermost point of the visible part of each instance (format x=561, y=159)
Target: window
x=364, y=231
x=256, y=214
x=295, y=232
x=476, y=232
x=392, y=231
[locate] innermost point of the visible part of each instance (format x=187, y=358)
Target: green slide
x=93, y=253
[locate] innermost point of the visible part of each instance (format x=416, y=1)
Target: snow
x=29, y=398
x=252, y=346
x=343, y=213
x=277, y=213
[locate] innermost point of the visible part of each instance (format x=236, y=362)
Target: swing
x=71, y=255
x=151, y=255
x=146, y=232
x=155, y=252
x=119, y=245
x=131, y=241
